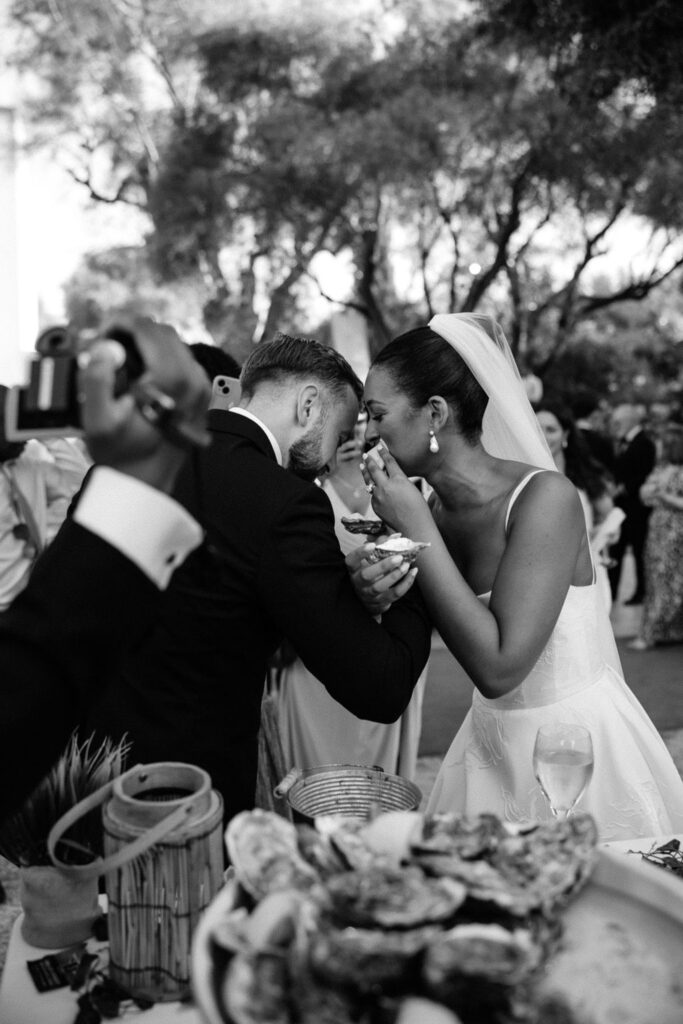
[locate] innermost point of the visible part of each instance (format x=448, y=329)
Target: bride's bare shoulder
x=549, y=490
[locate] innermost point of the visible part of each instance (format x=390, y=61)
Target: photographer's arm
x=95, y=591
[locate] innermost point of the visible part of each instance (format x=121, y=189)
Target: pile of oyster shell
x=347, y=921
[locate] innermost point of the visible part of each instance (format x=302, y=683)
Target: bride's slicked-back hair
x=423, y=364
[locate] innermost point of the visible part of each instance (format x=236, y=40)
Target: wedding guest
x=572, y=457
x=315, y=728
x=270, y=568
x=37, y=481
x=662, y=620
x=96, y=590
x=585, y=408
x=508, y=579
x=634, y=461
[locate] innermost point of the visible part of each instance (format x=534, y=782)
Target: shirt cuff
x=144, y=524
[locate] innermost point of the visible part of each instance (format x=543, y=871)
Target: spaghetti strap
x=517, y=491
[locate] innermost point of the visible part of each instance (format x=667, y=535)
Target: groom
x=269, y=568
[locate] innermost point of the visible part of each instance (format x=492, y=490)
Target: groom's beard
x=306, y=455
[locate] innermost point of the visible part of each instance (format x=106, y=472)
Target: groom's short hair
x=287, y=357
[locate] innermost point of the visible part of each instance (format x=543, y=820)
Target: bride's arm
x=499, y=645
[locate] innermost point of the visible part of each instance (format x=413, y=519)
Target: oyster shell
x=486, y=950
x=369, y=527
x=367, y=960
x=449, y=835
x=526, y=871
x=346, y=837
x=263, y=850
x=393, y=898
x=255, y=989
x=318, y=851
x=484, y=972
x=396, y=544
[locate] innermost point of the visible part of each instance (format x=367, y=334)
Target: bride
x=509, y=581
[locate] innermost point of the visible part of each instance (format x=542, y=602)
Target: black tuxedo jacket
x=269, y=568
x=84, y=604
x=633, y=465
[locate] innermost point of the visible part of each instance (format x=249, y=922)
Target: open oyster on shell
x=264, y=853
x=368, y=527
x=525, y=871
x=397, y=544
x=389, y=898
x=363, y=960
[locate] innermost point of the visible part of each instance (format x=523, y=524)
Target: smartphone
x=225, y=392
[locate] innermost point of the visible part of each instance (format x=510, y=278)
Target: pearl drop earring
x=433, y=443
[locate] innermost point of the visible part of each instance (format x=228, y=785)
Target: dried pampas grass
x=81, y=770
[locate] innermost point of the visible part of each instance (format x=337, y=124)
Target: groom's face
x=311, y=454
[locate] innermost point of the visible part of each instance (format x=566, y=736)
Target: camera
x=48, y=406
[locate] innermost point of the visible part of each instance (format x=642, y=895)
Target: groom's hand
x=379, y=584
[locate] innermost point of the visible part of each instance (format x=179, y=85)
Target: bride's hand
x=394, y=497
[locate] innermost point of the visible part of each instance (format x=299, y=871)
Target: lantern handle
x=103, y=865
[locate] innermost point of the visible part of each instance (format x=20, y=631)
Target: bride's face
x=391, y=419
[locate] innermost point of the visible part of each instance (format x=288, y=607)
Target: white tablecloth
x=21, y=1003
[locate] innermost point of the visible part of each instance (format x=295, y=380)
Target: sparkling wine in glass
x=563, y=765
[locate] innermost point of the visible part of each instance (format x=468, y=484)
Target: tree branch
x=118, y=197
x=635, y=290
x=508, y=225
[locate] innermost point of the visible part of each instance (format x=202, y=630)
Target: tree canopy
x=462, y=154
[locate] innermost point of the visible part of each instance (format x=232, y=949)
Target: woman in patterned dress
x=662, y=620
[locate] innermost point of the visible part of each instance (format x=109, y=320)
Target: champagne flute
x=563, y=765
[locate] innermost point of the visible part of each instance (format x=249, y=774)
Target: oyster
x=551, y=862
x=369, y=527
x=448, y=835
x=486, y=950
x=365, y=960
x=393, y=898
x=393, y=834
x=415, y=1008
x=396, y=544
x=263, y=850
x=318, y=851
x=255, y=989
x=484, y=972
x=526, y=871
x=346, y=837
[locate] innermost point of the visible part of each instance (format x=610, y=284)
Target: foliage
x=121, y=278
x=603, y=45
x=463, y=154
x=81, y=770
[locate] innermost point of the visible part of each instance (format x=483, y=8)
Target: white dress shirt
x=146, y=525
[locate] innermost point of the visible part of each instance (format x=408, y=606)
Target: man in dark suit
x=634, y=461
x=270, y=568
x=96, y=588
x=583, y=406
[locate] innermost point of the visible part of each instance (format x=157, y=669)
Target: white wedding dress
x=636, y=789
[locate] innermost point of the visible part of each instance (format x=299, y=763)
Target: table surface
x=21, y=1003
